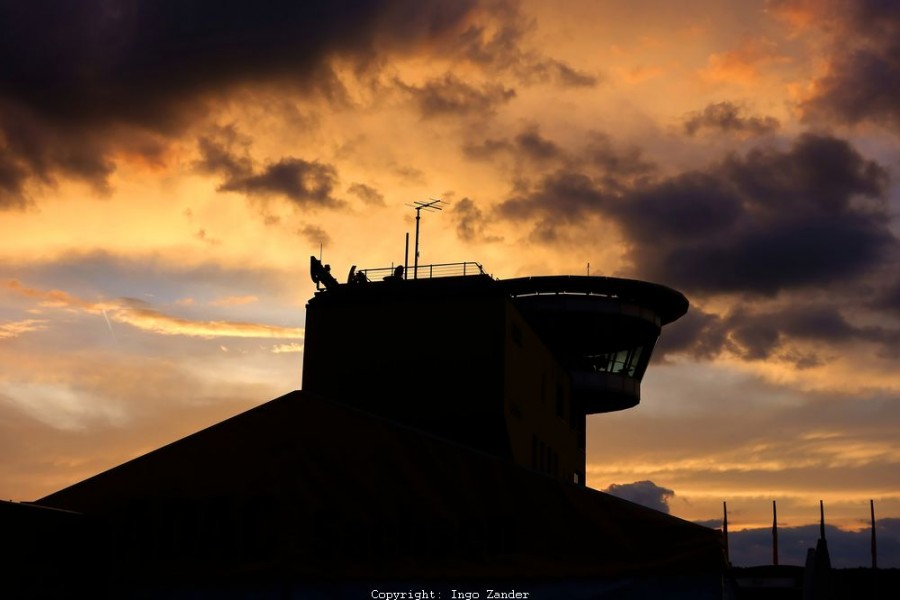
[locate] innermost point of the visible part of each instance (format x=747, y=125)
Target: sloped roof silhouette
x=304, y=487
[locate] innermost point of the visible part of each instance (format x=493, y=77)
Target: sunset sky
x=167, y=168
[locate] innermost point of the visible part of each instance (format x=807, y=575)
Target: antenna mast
x=774, y=534
x=432, y=205
x=873, y=544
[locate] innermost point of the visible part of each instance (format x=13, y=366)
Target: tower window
x=623, y=362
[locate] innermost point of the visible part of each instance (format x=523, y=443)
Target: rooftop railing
x=458, y=269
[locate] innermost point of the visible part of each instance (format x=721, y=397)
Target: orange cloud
x=639, y=74
x=156, y=322
x=147, y=319
x=234, y=301
x=743, y=65
x=13, y=329
x=284, y=348
x=799, y=14
x=51, y=298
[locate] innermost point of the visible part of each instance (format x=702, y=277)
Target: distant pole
x=874, y=543
x=589, y=270
x=774, y=534
x=725, y=530
x=406, y=258
x=821, y=519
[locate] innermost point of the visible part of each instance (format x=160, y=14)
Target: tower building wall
x=508, y=367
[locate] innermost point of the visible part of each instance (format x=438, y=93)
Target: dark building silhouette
x=510, y=367
x=437, y=445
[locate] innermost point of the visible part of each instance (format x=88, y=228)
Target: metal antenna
x=774, y=534
x=432, y=205
x=821, y=519
x=874, y=545
x=725, y=529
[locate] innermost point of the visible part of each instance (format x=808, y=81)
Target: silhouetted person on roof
x=397, y=276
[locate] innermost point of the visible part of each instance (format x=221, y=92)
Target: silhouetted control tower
x=510, y=367
x=437, y=440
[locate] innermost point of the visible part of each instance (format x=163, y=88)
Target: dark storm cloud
x=224, y=152
x=705, y=335
x=469, y=219
x=772, y=219
x=558, y=199
x=12, y=180
x=132, y=60
x=863, y=80
x=560, y=188
x=486, y=149
x=765, y=260
x=825, y=323
x=760, y=334
x=728, y=117
x=303, y=182
x=452, y=96
x=499, y=48
x=680, y=209
x=621, y=168
x=30, y=150
x=470, y=222
x=315, y=235
x=570, y=77
x=528, y=145
x=889, y=298
x=698, y=333
x=536, y=147
x=645, y=493
x=82, y=80
x=367, y=194
x=819, y=173
x=306, y=183
x=810, y=215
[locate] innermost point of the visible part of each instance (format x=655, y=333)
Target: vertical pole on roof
x=406, y=258
x=725, y=530
x=416, y=255
x=774, y=534
x=821, y=519
x=874, y=544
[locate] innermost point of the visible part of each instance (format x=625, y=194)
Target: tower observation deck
x=511, y=367
x=603, y=329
